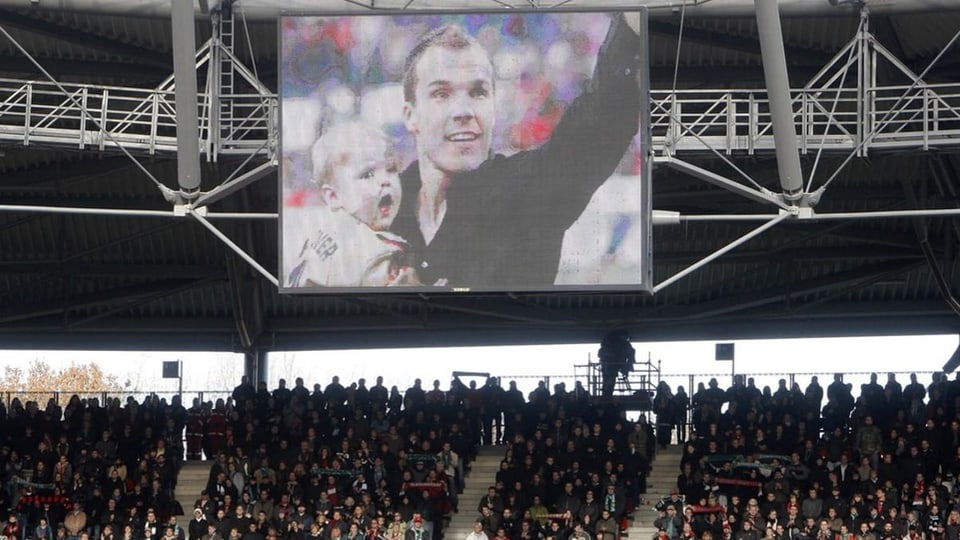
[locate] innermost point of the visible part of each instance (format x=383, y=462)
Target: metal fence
x=62, y=398
x=140, y=120
x=645, y=378
x=143, y=121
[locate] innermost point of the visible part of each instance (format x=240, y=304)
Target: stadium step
x=482, y=475
x=662, y=479
x=191, y=480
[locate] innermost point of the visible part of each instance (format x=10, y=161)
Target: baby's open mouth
x=386, y=204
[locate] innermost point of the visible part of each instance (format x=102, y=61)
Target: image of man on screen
x=478, y=219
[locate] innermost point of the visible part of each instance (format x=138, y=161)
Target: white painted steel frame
x=682, y=121
x=271, y=9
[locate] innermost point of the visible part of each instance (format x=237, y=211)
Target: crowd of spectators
x=370, y=463
x=773, y=464
x=90, y=470
x=359, y=463
x=296, y=464
x=572, y=470
x=335, y=461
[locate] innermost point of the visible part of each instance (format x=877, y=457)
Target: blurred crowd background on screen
x=346, y=67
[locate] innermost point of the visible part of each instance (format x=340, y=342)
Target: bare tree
x=39, y=382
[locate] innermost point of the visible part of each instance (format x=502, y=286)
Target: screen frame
x=645, y=285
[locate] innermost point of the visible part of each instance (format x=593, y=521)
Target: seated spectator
x=578, y=532
x=607, y=527
x=668, y=521
x=477, y=533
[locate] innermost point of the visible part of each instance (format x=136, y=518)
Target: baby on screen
x=348, y=242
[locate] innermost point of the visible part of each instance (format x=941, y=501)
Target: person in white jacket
x=477, y=532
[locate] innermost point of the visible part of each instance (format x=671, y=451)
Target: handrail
x=728, y=120
x=141, y=120
x=645, y=376
x=61, y=397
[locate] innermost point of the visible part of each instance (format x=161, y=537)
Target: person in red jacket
x=196, y=418
x=216, y=429
x=12, y=529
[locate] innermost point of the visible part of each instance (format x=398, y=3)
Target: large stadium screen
x=495, y=151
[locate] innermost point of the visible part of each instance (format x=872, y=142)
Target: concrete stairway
x=190, y=482
x=662, y=479
x=482, y=475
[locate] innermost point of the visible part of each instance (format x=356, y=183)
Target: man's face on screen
x=452, y=117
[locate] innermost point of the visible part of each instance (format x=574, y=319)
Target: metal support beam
x=62, y=173
x=720, y=252
x=781, y=107
x=261, y=10
x=131, y=212
x=236, y=249
x=56, y=267
x=129, y=73
x=766, y=255
x=780, y=292
x=921, y=229
x=722, y=181
x=711, y=38
x=237, y=183
x=131, y=303
x=144, y=57
x=889, y=214
x=167, y=192
x=505, y=315
x=133, y=293
x=833, y=216
x=255, y=366
x=35, y=209
x=247, y=308
x=185, y=73
x=263, y=365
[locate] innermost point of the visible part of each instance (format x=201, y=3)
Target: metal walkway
x=841, y=109
x=141, y=120
x=731, y=121
x=99, y=118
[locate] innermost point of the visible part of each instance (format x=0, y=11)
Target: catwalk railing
x=143, y=121
x=738, y=121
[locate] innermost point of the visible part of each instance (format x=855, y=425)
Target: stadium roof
x=150, y=281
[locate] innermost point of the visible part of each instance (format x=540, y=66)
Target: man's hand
x=632, y=19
